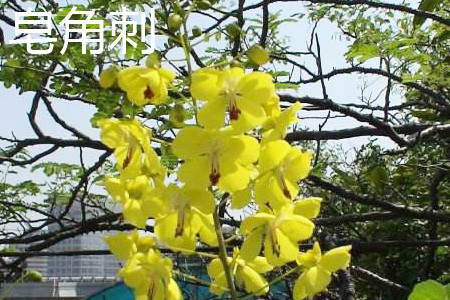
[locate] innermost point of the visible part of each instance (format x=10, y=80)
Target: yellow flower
x=231, y=90
x=281, y=166
x=132, y=149
x=281, y=230
x=184, y=214
x=246, y=273
x=215, y=157
x=124, y=245
x=150, y=276
x=275, y=127
x=272, y=106
x=317, y=269
x=138, y=197
x=145, y=85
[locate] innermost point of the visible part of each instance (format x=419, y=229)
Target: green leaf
x=168, y=159
x=429, y=290
x=286, y=86
x=426, y=5
x=378, y=177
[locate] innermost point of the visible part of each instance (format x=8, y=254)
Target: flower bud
x=258, y=54
x=108, y=77
x=177, y=116
x=196, y=31
x=203, y=4
x=174, y=22
x=233, y=30
x=153, y=60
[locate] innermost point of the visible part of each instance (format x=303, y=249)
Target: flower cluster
x=236, y=149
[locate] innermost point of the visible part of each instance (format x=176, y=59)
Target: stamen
x=180, y=223
x=151, y=290
x=215, y=174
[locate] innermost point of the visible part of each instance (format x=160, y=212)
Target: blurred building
x=100, y=266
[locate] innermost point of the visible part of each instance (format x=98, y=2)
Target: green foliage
x=426, y=5
x=430, y=290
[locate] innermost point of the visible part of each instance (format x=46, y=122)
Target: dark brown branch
x=328, y=104
x=84, y=179
x=240, y=21
x=427, y=91
x=396, y=7
x=377, y=202
x=28, y=161
x=408, y=129
x=265, y=24
x=61, y=122
x=377, y=279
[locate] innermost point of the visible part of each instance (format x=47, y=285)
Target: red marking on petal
x=234, y=113
x=214, y=178
x=127, y=159
x=287, y=193
x=148, y=93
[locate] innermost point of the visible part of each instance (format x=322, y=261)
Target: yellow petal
x=288, y=247
x=166, y=74
x=272, y=154
x=273, y=258
x=252, y=245
x=260, y=265
x=206, y=84
x=206, y=231
x=115, y=188
x=297, y=228
x=215, y=267
x=311, y=257
x=308, y=207
x=252, y=115
x=233, y=176
x=133, y=274
x=316, y=280
x=248, y=153
x=203, y=200
x=212, y=114
x=254, y=221
x=288, y=116
x=258, y=86
x=219, y=285
x=195, y=173
x=241, y=198
x=267, y=190
x=299, y=165
x=120, y=245
x=254, y=283
x=166, y=230
x=133, y=213
x=190, y=142
x=299, y=291
x=337, y=258
x=111, y=133
x=174, y=290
